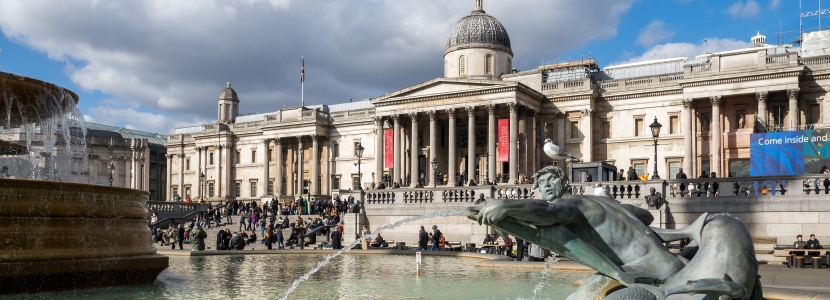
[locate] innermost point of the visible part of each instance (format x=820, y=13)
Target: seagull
x=553, y=151
x=599, y=190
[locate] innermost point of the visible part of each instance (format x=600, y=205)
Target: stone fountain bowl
x=56, y=235
x=27, y=100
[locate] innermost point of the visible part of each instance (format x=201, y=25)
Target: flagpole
x=302, y=86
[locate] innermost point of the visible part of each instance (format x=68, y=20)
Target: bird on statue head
x=553, y=151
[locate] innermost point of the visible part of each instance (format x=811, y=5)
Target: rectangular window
x=704, y=166
x=640, y=166
x=815, y=114
x=238, y=189
x=187, y=165
x=674, y=168
x=211, y=158
x=175, y=192
x=356, y=144
x=638, y=127
x=489, y=66
x=270, y=187
x=335, y=182
x=284, y=186
x=237, y=157
x=606, y=129
x=187, y=191
x=705, y=121
x=335, y=150
x=253, y=156
x=674, y=125
x=210, y=189
x=355, y=182
x=739, y=168
x=253, y=188
x=574, y=129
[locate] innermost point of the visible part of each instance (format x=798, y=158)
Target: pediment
x=442, y=86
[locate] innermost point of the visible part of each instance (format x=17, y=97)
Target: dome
x=478, y=30
x=228, y=94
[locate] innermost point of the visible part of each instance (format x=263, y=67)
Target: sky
x=156, y=65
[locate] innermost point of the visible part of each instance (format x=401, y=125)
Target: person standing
x=436, y=238
x=242, y=217
x=197, y=238
x=364, y=240
x=423, y=239
x=520, y=249
x=268, y=238
x=220, y=240
x=180, y=236
x=681, y=175
x=280, y=239
x=632, y=175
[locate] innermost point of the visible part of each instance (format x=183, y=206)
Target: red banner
x=504, y=140
x=388, y=149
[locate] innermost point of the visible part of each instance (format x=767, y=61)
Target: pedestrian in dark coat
x=180, y=235
x=220, y=240
x=423, y=239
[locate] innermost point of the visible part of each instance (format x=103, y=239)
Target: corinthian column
x=433, y=147
x=279, y=171
x=686, y=126
x=716, y=134
x=451, y=151
x=793, y=113
x=471, y=144
x=762, y=106
x=379, y=159
x=396, y=166
x=514, y=132
x=266, y=172
x=588, y=132
x=413, y=155
x=315, y=165
x=300, y=165
x=491, y=141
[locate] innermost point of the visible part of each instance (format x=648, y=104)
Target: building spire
x=479, y=5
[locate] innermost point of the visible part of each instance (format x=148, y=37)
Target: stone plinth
x=65, y=235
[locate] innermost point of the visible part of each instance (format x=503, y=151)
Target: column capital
x=762, y=96
x=793, y=93
x=396, y=118
x=431, y=114
x=716, y=100
x=451, y=112
x=688, y=102
x=471, y=111
x=413, y=116
x=513, y=106
x=559, y=115
x=314, y=137
x=277, y=141
x=587, y=112
x=491, y=108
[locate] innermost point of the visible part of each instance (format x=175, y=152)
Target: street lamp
x=655, y=133
x=202, y=190
x=359, y=152
x=111, y=169
x=434, y=172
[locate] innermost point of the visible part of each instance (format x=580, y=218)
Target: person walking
x=242, y=221
x=423, y=239
x=268, y=237
x=280, y=239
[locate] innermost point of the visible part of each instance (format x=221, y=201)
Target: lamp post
x=655, y=133
x=434, y=172
x=202, y=189
x=111, y=169
x=359, y=152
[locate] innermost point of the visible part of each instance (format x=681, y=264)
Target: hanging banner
x=388, y=149
x=504, y=140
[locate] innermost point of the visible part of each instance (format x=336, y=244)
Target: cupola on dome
x=228, y=94
x=478, y=30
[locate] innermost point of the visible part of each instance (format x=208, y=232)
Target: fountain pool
x=352, y=276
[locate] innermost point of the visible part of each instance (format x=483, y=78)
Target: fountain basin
x=27, y=100
x=59, y=235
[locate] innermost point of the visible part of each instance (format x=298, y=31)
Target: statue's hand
x=488, y=213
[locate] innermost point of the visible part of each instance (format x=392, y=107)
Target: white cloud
x=132, y=118
x=172, y=58
x=689, y=50
x=654, y=33
x=742, y=9
x=773, y=4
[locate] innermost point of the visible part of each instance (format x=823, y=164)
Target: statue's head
x=653, y=191
x=551, y=182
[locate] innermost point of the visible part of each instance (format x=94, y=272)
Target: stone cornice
x=642, y=95
x=706, y=81
x=486, y=87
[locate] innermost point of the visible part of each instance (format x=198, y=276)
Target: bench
x=452, y=246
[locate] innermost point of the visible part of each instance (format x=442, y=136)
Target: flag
x=302, y=72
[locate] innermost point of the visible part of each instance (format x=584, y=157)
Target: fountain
x=61, y=235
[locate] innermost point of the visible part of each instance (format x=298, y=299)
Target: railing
x=816, y=60
x=638, y=81
x=782, y=58
x=671, y=77
x=514, y=192
x=571, y=84
x=188, y=130
x=167, y=206
x=700, y=68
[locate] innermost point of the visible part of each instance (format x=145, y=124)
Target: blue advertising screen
x=789, y=153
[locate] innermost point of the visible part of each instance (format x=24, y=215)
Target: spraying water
x=544, y=280
x=328, y=258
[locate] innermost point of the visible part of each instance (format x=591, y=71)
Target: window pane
x=739, y=168
x=270, y=187
x=674, y=168
x=704, y=166
x=253, y=156
x=238, y=190
x=638, y=127
x=253, y=188
x=640, y=168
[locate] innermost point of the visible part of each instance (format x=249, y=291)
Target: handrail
x=315, y=231
x=174, y=218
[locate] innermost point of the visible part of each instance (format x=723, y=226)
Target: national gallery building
x=483, y=120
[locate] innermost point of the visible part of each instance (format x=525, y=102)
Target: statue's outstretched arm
x=537, y=212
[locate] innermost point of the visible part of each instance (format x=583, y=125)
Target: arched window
x=446, y=71
x=488, y=68
x=462, y=66
x=509, y=65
